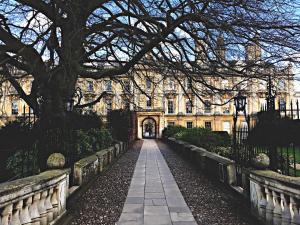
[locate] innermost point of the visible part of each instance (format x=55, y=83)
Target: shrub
x=171, y=131
x=91, y=140
x=201, y=137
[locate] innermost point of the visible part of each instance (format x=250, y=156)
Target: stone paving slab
x=154, y=197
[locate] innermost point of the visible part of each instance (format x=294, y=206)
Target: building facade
x=161, y=100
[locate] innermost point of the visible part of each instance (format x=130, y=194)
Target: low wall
x=86, y=168
x=221, y=167
x=39, y=199
x=275, y=198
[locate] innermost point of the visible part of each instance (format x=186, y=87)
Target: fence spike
x=297, y=104
x=292, y=116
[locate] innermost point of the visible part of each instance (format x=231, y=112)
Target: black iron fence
x=18, y=151
x=283, y=159
x=277, y=137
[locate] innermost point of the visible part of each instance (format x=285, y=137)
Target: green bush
x=171, y=131
x=218, y=142
x=88, y=141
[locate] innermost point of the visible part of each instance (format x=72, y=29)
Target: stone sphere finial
x=261, y=161
x=56, y=161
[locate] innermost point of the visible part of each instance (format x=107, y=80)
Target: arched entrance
x=149, y=128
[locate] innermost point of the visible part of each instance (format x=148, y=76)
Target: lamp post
x=240, y=103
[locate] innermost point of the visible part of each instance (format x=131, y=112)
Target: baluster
x=24, y=215
x=277, y=212
x=7, y=215
x=48, y=205
x=16, y=213
x=54, y=202
x=42, y=208
x=295, y=214
x=33, y=210
x=101, y=163
x=269, y=207
x=286, y=213
x=262, y=202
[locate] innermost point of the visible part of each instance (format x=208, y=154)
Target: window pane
x=189, y=125
x=148, y=102
x=14, y=108
x=207, y=125
x=170, y=106
x=189, y=108
x=207, y=106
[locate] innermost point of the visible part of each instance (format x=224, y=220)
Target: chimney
x=200, y=54
x=253, y=50
x=220, y=48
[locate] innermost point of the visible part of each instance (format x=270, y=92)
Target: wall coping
x=87, y=160
x=272, y=178
x=207, y=153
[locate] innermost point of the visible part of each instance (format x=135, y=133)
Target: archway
x=149, y=128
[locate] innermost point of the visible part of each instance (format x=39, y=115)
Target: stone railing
x=275, y=198
x=86, y=168
x=35, y=200
x=222, y=168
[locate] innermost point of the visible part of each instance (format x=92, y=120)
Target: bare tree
x=58, y=41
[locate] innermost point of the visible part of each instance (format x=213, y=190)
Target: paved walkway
x=154, y=197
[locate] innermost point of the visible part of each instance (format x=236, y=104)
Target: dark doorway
x=149, y=128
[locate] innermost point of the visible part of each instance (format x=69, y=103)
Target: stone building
x=163, y=100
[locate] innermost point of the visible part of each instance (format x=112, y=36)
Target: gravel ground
x=210, y=202
x=103, y=202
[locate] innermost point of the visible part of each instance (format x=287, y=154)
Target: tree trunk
x=54, y=132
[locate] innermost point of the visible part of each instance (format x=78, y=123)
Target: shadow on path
x=210, y=202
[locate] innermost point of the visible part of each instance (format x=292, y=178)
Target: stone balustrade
x=220, y=167
x=35, y=200
x=275, y=198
